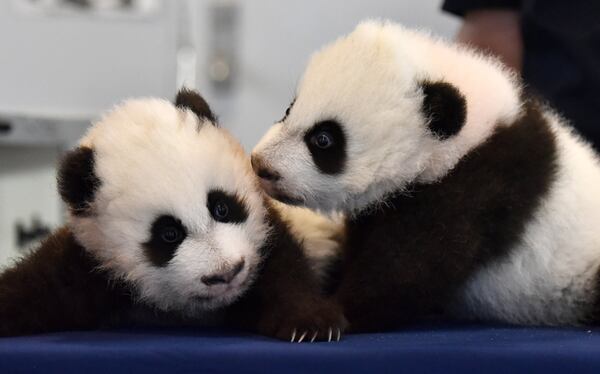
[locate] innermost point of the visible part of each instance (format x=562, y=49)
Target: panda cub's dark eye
x=220, y=211
x=166, y=234
x=326, y=142
x=322, y=140
x=170, y=234
x=225, y=207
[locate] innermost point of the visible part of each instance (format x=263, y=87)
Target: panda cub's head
x=166, y=201
x=376, y=110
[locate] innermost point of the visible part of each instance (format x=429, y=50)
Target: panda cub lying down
x=463, y=194
x=168, y=224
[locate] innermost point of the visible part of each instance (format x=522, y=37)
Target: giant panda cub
x=167, y=224
x=464, y=194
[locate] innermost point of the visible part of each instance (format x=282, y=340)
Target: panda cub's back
x=459, y=188
x=551, y=274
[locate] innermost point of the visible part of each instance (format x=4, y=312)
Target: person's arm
x=493, y=26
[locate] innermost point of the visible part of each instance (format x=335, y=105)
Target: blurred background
x=63, y=62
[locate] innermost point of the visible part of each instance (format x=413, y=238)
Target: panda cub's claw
x=302, y=336
x=311, y=321
x=330, y=336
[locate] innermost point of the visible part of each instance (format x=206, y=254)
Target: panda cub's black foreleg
x=57, y=287
x=286, y=301
x=384, y=286
x=409, y=259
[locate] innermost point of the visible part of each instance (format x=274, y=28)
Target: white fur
x=551, y=275
x=322, y=237
x=379, y=66
x=368, y=80
x=152, y=159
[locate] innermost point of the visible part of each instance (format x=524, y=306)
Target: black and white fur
x=166, y=219
x=464, y=194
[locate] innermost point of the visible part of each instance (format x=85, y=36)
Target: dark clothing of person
x=561, y=56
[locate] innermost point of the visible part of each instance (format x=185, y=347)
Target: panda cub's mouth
x=287, y=199
x=229, y=291
x=224, y=295
x=279, y=194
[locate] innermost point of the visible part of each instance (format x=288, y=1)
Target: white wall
x=68, y=67
x=77, y=67
x=277, y=37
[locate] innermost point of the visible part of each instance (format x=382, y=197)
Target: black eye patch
x=226, y=208
x=326, y=142
x=166, y=234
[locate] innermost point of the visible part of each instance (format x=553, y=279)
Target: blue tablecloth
x=443, y=349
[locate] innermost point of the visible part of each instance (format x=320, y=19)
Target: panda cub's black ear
x=192, y=100
x=445, y=108
x=77, y=181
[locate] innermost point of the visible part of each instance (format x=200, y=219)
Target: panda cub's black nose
x=211, y=280
x=262, y=170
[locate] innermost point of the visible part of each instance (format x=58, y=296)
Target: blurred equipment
x=222, y=58
x=62, y=62
x=30, y=234
x=102, y=7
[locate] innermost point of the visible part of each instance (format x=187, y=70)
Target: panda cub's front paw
x=310, y=322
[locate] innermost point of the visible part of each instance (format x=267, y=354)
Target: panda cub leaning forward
x=463, y=194
x=166, y=224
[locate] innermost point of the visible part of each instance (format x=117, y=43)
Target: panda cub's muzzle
x=263, y=170
x=269, y=178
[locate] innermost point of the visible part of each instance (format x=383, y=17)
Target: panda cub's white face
x=354, y=131
x=177, y=211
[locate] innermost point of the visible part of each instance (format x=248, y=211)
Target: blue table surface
x=423, y=349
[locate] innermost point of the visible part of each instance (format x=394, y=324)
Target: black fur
x=286, y=295
x=593, y=316
x=236, y=209
x=407, y=257
x=77, y=181
x=160, y=250
x=58, y=287
x=332, y=159
x=445, y=108
x=192, y=100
